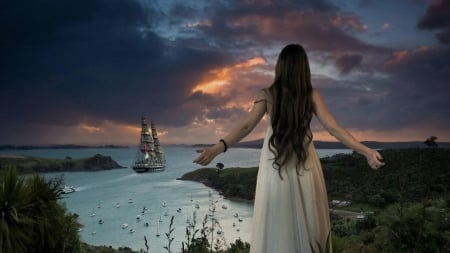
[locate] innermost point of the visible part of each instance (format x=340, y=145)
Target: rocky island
x=30, y=164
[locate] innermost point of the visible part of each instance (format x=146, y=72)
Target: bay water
x=145, y=203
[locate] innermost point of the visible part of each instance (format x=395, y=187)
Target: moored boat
x=68, y=189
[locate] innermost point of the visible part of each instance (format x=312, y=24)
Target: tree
x=430, y=142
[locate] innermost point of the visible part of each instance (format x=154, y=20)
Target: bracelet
x=224, y=144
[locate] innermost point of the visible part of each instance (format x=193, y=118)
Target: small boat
x=240, y=219
x=94, y=232
x=117, y=205
x=164, y=204
x=100, y=221
x=157, y=230
x=68, y=189
x=197, y=206
x=131, y=231
x=130, y=200
x=146, y=224
x=138, y=217
x=236, y=215
x=224, y=207
x=92, y=215
x=179, y=210
x=125, y=225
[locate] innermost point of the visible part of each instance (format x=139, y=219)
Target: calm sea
x=120, y=196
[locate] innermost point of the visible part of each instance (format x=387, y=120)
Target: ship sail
x=150, y=155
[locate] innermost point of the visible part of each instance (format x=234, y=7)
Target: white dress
x=291, y=214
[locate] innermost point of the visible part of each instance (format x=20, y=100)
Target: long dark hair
x=292, y=108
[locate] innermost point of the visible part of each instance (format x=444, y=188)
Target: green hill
x=409, y=175
x=30, y=164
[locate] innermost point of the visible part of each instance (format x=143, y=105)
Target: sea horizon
x=246, y=144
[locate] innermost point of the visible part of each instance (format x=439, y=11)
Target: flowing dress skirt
x=290, y=214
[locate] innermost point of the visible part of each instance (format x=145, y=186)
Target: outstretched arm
x=374, y=159
x=237, y=134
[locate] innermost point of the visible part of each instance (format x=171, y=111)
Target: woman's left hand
x=374, y=159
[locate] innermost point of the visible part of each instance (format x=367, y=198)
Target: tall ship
x=149, y=156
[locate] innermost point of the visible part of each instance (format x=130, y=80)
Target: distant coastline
x=58, y=146
x=246, y=144
x=30, y=164
x=338, y=145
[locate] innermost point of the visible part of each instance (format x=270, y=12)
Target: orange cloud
x=89, y=129
x=218, y=78
x=399, y=57
x=351, y=21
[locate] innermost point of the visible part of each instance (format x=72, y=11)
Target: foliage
x=169, y=236
x=235, y=183
x=410, y=175
x=422, y=227
x=407, y=227
x=32, y=219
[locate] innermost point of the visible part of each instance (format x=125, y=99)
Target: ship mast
x=147, y=143
x=157, y=146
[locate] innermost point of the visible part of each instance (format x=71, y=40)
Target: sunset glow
x=218, y=78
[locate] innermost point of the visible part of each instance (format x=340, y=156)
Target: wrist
x=225, y=145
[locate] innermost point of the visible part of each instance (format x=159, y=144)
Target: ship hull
x=148, y=168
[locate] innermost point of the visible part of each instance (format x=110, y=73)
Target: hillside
x=30, y=164
x=409, y=175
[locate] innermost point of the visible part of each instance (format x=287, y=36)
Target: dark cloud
x=78, y=61
x=347, y=62
x=416, y=94
x=437, y=18
x=444, y=37
x=244, y=24
x=63, y=63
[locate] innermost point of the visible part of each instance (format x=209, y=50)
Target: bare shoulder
x=263, y=95
x=316, y=97
x=315, y=93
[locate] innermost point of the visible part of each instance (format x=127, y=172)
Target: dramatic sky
x=85, y=71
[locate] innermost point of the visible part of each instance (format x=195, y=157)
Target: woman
x=291, y=206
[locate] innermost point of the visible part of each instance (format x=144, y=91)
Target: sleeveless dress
x=291, y=214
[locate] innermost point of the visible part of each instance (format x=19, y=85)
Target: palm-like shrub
x=32, y=219
x=15, y=224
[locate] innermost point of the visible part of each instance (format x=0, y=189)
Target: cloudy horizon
x=84, y=72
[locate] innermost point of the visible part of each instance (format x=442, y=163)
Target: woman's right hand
x=374, y=159
x=208, y=154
